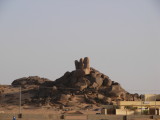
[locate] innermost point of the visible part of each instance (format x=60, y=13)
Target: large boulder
x=32, y=80
x=117, y=91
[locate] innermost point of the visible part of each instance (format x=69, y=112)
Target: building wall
x=151, y=97
x=124, y=112
x=139, y=104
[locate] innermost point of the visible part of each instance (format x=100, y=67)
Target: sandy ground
x=43, y=110
x=14, y=109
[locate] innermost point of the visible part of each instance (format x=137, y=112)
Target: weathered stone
x=79, y=73
x=94, y=85
x=86, y=71
x=86, y=63
x=100, y=96
x=89, y=100
x=81, y=84
x=76, y=64
x=117, y=91
x=70, y=104
x=64, y=97
x=81, y=64
x=97, y=80
x=32, y=80
x=107, y=82
x=108, y=99
x=54, y=88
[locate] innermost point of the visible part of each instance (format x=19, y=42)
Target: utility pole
x=20, y=97
x=155, y=104
x=141, y=105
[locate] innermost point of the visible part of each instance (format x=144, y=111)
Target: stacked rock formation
x=85, y=77
x=82, y=69
x=82, y=66
x=94, y=85
x=84, y=84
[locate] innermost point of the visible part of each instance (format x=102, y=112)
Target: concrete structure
x=124, y=112
x=104, y=111
x=151, y=97
x=141, y=107
x=150, y=105
x=139, y=104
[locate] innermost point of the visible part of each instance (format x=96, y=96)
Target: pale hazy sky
x=44, y=37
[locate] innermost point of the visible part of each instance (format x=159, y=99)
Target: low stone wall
x=124, y=112
x=105, y=117
x=31, y=117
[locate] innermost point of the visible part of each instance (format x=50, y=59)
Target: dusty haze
x=42, y=38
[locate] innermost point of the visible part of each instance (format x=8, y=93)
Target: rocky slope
x=83, y=85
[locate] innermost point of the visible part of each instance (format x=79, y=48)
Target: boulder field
x=82, y=85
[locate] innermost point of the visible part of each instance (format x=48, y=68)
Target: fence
x=78, y=117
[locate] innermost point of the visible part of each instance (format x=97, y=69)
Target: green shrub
x=145, y=112
x=130, y=107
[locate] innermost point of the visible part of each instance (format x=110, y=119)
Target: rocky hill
x=83, y=85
